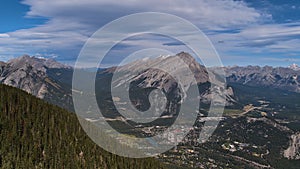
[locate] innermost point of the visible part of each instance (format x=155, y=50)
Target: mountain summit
x=294, y=66
x=32, y=75
x=36, y=62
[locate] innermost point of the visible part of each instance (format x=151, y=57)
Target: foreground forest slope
x=35, y=134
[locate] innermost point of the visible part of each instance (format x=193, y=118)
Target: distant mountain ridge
x=267, y=76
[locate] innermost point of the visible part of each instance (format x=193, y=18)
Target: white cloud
x=272, y=37
x=212, y=14
x=272, y=31
x=4, y=35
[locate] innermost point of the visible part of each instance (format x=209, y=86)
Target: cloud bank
x=233, y=26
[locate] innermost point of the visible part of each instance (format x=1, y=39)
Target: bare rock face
x=31, y=75
x=293, y=151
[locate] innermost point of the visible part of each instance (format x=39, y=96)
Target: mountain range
x=262, y=122
x=279, y=77
x=52, y=81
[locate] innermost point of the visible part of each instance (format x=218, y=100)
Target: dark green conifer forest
x=36, y=134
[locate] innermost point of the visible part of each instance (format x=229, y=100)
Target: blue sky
x=246, y=32
x=13, y=17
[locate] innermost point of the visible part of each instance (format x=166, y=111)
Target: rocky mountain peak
x=186, y=57
x=294, y=66
x=199, y=71
x=35, y=62
x=190, y=72
x=31, y=74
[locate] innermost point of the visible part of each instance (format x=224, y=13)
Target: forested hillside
x=35, y=134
